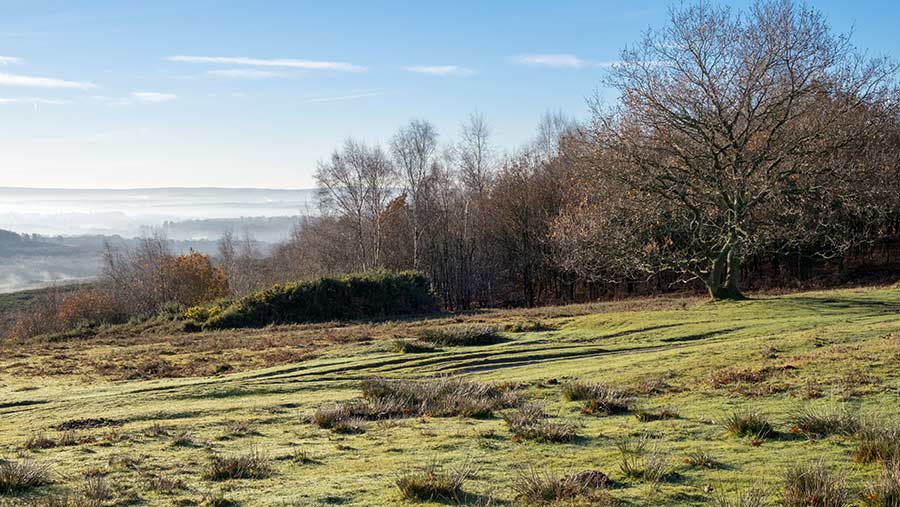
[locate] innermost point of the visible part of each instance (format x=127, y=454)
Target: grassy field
x=136, y=415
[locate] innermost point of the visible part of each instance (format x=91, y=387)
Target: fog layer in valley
x=72, y=225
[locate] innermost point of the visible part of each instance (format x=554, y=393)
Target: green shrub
x=465, y=335
x=358, y=296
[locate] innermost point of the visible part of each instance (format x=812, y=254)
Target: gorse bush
x=369, y=295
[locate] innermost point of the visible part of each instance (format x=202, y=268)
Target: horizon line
x=126, y=189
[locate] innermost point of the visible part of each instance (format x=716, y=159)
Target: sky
x=216, y=93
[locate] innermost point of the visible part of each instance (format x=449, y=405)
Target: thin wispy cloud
x=269, y=62
x=9, y=60
x=42, y=82
x=440, y=70
x=30, y=100
x=552, y=60
x=244, y=73
x=153, y=97
x=336, y=98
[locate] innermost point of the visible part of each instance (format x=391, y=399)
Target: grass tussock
x=18, y=476
x=434, y=483
x=528, y=326
x=814, y=485
x=394, y=399
x=599, y=399
x=877, y=441
x=536, y=487
x=754, y=496
x=885, y=492
x=747, y=423
x=411, y=347
x=730, y=376
x=816, y=423
x=95, y=490
x=660, y=414
x=530, y=422
x=701, y=459
x=252, y=465
x=641, y=462
x=463, y=335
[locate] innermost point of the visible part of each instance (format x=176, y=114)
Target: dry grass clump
x=701, y=459
x=528, y=326
x=536, y=487
x=463, y=335
x=813, y=484
x=38, y=441
x=642, y=463
x=599, y=399
x=164, y=484
x=722, y=378
x=530, y=422
x=17, y=476
x=747, y=423
x=877, y=440
x=433, y=483
x=816, y=423
x=885, y=492
x=661, y=414
x=410, y=347
x=391, y=399
x=252, y=465
x=95, y=490
x=754, y=496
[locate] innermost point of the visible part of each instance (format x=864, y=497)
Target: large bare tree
x=413, y=148
x=356, y=184
x=730, y=124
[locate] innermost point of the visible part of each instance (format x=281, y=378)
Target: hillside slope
x=836, y=350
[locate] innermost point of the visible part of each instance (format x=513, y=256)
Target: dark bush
x=359, y=296
x=466, y=335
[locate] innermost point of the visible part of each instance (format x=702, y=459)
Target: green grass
x=665, y=352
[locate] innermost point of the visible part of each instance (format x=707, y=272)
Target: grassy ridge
x=698, y=361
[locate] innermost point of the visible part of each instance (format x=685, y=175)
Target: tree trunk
x=724, y=281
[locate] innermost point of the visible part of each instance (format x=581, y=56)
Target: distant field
x=174, y=400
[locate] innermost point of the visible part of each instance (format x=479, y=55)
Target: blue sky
x=120, y=94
